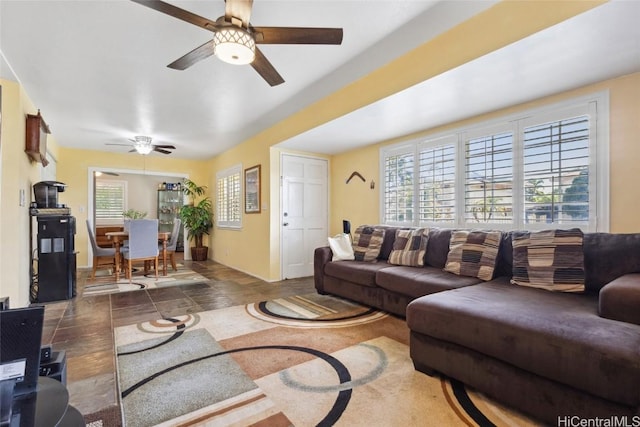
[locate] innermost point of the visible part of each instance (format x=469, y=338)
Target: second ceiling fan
x=235, y=39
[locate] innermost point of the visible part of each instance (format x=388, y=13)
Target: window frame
x=225, y=175
x=595, y=105
x=125, y=197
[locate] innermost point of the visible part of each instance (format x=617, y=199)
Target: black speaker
x=20, y=339
x=346, y=226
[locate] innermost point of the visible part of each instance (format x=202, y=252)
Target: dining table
x=118, y=237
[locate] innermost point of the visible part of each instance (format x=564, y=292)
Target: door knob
x=285, y=224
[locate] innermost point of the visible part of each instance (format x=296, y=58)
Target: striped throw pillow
x=367, y=242
x=409, y=247
x=473, y=253
x=550, y=259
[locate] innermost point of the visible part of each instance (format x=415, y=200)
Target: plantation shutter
x=488, y=193
x=229, y=198
x=556, y=172
x=399, y=188
x=110, y=201
x=437, y=180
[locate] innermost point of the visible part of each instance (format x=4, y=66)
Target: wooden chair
x=143, y=244
x=172, y=244
x=101, y=256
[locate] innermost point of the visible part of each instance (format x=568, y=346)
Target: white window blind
x=488, y=189
x=542, y=168
x=399, y=188
x=111, y=201
x=437, y=186
x=229, y=197
x=556, y=172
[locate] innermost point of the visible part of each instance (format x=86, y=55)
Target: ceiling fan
x=142, y=145
x=235, y=39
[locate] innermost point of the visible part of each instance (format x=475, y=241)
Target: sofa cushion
x=473, y=253
x=367, y=242
x=550, y=259
x=409, y=247
x=417, y=282
x=361, y=273
x=558, y=336
x=620, y=299
x=439, y=239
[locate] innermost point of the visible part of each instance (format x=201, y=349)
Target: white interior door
x=304, y=213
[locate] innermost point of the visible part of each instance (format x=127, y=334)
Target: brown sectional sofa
x=549, y=354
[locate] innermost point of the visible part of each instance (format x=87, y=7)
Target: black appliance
x=56, y=277
x=46, y=194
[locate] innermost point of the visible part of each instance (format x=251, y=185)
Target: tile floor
x=83, y=327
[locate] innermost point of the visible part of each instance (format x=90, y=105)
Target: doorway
x=304, y=213
x=146, y=193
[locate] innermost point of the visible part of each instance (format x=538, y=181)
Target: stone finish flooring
x=83, y=327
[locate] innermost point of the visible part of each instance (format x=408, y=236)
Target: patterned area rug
x=303, y=361
x=104, y=282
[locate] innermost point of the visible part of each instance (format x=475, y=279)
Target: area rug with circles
x=105, y=283
x=308, y=360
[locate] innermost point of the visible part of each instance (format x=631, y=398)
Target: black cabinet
x=56, y=259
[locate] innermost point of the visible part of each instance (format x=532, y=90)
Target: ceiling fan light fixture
x=142, y=144
x=234, y=45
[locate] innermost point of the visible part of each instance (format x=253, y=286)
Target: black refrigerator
x=56, y=259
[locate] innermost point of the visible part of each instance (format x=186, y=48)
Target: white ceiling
x=97, y=69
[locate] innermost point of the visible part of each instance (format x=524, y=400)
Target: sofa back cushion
x=438, y=247
x=549, y=259
x=608, y=256
x=473, y=253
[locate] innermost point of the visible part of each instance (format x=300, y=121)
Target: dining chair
x=172, y=244
x=100, y=255
x=143, y=244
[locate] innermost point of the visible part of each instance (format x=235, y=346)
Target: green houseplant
x=197, y=218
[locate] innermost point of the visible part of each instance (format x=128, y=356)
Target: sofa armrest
x=321, y=257
x=620, y=299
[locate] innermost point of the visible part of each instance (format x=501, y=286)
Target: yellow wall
x=355, y=202
x=246, y=249
x=17, y=173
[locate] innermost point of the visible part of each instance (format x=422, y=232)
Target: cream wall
x=356, y=202
x=17, y=173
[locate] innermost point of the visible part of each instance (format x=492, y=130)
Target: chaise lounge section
x=548, y=354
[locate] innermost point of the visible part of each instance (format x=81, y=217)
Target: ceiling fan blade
x=179, y=13
x=160, y=150
x=240, y=9
x=196, y=55
x=133, y=150
x=262, y=65
x=117, y=143
x=170, y=147
x=297, y=35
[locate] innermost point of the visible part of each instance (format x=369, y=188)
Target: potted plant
x=197, y=218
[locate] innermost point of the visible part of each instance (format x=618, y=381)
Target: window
x=541, y=169
x=111, y=197
x=229, y=200
x=437, y=183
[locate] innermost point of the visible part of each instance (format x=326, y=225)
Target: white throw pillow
x=340, y=245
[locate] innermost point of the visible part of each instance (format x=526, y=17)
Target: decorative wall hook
x=356, y=173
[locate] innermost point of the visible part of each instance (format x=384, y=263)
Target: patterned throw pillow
x=550, y=259
x=409, y=247
x=473, y=253
x=367, y=242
